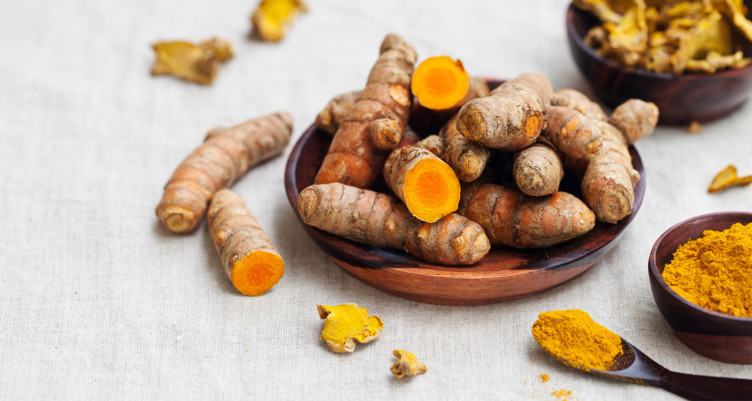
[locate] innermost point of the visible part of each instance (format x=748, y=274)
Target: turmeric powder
x=575, y=337
x=715, y=271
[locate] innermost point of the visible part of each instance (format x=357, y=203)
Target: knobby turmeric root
x=356, y=154
x=513, y=219
x=272, y=18
x=381, y=220
x=433, y=144
x=246, y=252
x=537, y=169
x=329, y=119
x=347, y=323
x=440, y=82
x=635, y=119
x=510, y=118
x=424, y=182
x=195, y=63
x=406, y=365
x=467, y=158
x=227, y=153
x=578, y=101
x=575, y=136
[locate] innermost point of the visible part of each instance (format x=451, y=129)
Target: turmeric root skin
x=576, y=137
x=246, y=252
x=225, y=156
x=578, y=101
x=380, y=220
x=537, y=170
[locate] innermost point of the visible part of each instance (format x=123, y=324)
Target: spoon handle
x=694, y=387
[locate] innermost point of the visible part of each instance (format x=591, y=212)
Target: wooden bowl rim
x=653, y=266
x=579, y=40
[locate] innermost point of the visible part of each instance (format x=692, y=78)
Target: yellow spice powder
x=575, y=336
x=715, y=271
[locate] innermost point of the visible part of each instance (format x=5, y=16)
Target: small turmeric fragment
x=544, y=377
x=346, y=325
x=194, y=63
x=728, y=177
x=407, y=365
x=440, y=82
x=272, y=18
x=694, y=127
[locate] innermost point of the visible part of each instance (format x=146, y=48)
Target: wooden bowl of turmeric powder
x=701, y=277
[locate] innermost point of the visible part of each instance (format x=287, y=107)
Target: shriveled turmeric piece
x=195, y=63
x=440, y=82
x=728, y=177
x=406, y=365
x=248, y=255
x=272, y=18
x=424, y=182
x=346, y=325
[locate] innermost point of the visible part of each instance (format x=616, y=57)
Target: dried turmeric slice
x=347, y=323
x=406, y=365
x=194, y=63
x=440, y=82
x=272, y=18
x=727, y=178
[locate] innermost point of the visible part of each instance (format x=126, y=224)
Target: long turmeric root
x=510, y=118
x=537, y=169
x=225, y=156
x=513, y=219
x=247, y=253
x=424, y=182
x=379, y=115
x=381, y=220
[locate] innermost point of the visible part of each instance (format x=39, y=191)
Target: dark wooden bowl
x=504, y=274
x=681, y=98
x=712, y=334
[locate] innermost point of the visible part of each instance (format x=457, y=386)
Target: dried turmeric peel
x=510, y=117
x=513, y=219
x=727, y=178
x=347, y=324
x=381, y=220
x=195, y=63
x=406, y=365
x=537, y=170
x=335, y=111
x=247, y=253
x=573, y=336
x=424, y=182
x=353, y=158
x=440, y=82
x=272, y=18
x=226, y=154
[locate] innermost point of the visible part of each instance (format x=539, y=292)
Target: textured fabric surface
x=98, y=301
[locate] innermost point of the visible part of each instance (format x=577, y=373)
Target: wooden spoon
x=635, y=367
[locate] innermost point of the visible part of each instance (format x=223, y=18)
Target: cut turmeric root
x=225, y=156
x=440, y=82
x=381, y=220
x=513, y=219
x=424, y=182
x=246, y=252
x=272, y=18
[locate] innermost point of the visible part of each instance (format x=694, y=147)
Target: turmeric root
x=225, y=156
x=329, y=119
x=195, y=63
x=467, y=158
x=247, y=253
x=424, y=182
x=381, y=110
x=433, y=144
x=440, y=82
x=513, y=219
x=510, y=118
x=406, y=365
x=576, y=137
x=381, y=220
x=635, y=119
x=537, y=169
x=347, y=323
x=578, y=101
x=273, y=17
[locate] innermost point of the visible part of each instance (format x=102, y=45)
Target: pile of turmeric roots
x=445, y=207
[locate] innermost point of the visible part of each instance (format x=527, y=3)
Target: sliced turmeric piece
x=346, y=325
x=272, y=18
x=426, y=184
x=440, y=82
x=195, y=63
x=728, y=177
x=406, y=365
x=248, y=255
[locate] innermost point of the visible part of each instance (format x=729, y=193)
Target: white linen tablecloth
x=98, y=301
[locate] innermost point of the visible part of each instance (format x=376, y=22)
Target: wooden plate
x=504, y=274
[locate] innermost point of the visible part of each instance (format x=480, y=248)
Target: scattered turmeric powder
x=573, y=336
x=728, y=177
x=272, y=18
x=440, y=82
x=407, y=365
x=561, y=393
x=715, y=271
x=195, y=63
x=247, y=253
x=544, y=377
x=347, y=324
